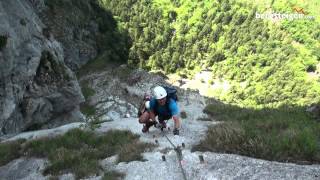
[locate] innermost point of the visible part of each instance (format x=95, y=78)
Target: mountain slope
x=116, y=110
x=276, y=62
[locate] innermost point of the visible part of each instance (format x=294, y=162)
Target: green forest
x=268, y=63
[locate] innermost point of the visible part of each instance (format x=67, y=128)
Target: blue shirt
x=169, y=109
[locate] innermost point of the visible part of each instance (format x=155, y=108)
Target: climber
x=163, y=105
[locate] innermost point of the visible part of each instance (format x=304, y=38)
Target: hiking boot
x=147, y=126
x=145, y=129
x=163, y=124
x=176, y=131
x=158, y=125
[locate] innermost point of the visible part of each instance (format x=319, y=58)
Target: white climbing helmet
x=159, y=92
x=147, y=104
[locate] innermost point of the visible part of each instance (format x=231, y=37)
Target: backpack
x=171, y=93
x=142, y=107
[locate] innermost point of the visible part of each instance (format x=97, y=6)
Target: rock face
x=73, y=23
x=36, y=87
x=24, y=168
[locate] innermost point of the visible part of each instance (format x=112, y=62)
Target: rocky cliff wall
x=74, y=24
x=36, y=87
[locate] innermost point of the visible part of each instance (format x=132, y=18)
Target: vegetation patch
x=9, y=151
x=286, y=134
x=88, y=109
x=3, y=41
x=95, y=65
x=123, y=73
x=87, y=91
x=133, y=151
x=204, y=119
x=183, y=115
x=266, y=63
x=112, y=175
x=100, y=63
x=50, y=66
x=23, y=22
x=78, y=151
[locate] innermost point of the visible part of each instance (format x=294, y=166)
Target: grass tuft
x=78, y=151
x=112, y=175
x=133, y=151
x=183, y=115
x=9, y=151
x=284, y=134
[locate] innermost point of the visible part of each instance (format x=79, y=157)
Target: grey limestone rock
x=36, y=87
x=24, y=168
x=73, y=24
